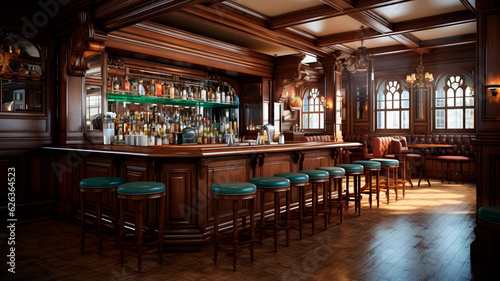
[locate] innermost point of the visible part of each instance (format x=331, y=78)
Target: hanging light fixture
x=358, y=61
x=421, y=79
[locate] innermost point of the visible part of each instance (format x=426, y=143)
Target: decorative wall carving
x=420, y=129
x=83, y=46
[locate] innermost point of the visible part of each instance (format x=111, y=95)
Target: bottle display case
x=160, y=109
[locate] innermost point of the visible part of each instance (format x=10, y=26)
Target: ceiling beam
x=231, y=20
x=332, y=8
x=401, y=27
x=113, y=14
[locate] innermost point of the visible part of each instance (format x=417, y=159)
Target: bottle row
x=209, y=91
x=169, y=125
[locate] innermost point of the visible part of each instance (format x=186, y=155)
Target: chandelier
x=359, y=60
x=421, y=79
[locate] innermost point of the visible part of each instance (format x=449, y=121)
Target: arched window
x=454, y=102
x=392, y=109
x=313, y=113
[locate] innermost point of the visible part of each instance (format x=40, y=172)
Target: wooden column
x=332, y=84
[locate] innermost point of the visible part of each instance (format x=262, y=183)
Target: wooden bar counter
x=188, y=171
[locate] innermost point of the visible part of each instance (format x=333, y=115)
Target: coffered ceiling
x=320, y=27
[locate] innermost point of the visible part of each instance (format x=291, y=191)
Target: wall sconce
x=493, y=88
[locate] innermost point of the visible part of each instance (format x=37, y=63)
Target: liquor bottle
x=184, y=93
x=152, y=88
x=159, y=89
x=222, y=93
x=165, y=89
x=126, y=85
x=109, y=84
x=116, y=84
x=142, y=90
x=134, y=84
x=203, y=95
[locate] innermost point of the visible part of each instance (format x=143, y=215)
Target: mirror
x=93, y=107
x=21, y=96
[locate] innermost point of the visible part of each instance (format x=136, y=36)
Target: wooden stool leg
x=387, y=179
x=276, y=219
x=82, y=220
x=347, y=192
x=252, y=228
x=331, y=182
x=122, y=228
x=287, y=218
x=138, y=231
x=99, y=222
x=326, y=203
x=262, y=217
x=314, y=198
x=378, y=188
x=160, y=228
x=340, y=199
x=235, y=232
x=216, y=228
x=370, y=188
x=302, y=201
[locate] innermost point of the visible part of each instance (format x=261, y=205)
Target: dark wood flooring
x=425, y=236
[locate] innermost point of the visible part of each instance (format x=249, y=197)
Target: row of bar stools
x=316, y=178
x=355, y=171
x=139, y=192
x=234, y=191
x=277, y=186
x=98, y=186
x=389, y=165
x=336, y=176
x=371, y=168
x=298, y=180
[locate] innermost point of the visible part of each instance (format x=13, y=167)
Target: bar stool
x=317, y=177
x=336, y=176
x=388, y=165
x=370, y=168
x=139, y=192
x=276, y=185
x=234, y=191
x=354, y=170
x=299, y=180
x=97, y=185
x=485, y=254
x=455, y=160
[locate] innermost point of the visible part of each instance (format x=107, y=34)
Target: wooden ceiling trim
x=443, y=20
x=239, y=23
x=326, y=11
x=437, y=21
x=113, y=15
x=340, y=5
x=169, y=43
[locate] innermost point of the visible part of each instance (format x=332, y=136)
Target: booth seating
x=336, y=176
x=98, y=186
x=318, y=138
x=355, y=171
x=371, y=168
x=235, y=192
x=298, y=180
x=276, y=186
x=316, y=178
x=139, y=193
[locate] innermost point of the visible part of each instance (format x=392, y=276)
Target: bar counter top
x=197, y=150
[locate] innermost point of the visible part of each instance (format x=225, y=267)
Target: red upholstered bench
x=318, y=138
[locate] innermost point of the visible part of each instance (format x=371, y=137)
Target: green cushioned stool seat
x=270, y=182
x=316, y=174
x=368, y=163
x=333, y=171
x=351, y=167
x=233, y=188
x=294, y=177
x=141, y=188
x=101, y=182
x=386, y=162
x=490, y=214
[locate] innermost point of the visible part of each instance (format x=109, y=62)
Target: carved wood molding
x=83, y=46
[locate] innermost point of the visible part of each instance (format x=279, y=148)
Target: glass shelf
x=161, y=100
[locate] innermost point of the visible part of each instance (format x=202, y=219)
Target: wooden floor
x=425, y=236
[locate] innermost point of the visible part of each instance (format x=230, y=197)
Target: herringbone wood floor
x=425, y=236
